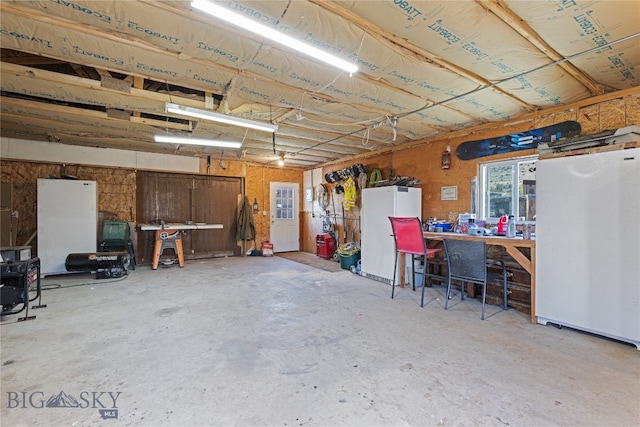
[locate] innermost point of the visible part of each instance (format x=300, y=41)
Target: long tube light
x=196, y=141
x=220, y=118
x=271, y=34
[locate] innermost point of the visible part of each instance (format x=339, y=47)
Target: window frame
x=483, y=168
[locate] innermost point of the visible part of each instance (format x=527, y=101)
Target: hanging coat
x=246, y=226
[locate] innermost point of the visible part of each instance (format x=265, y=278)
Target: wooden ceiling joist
x=498, y=8
x=391, y=40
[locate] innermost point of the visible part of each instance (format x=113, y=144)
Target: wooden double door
x=200, y=199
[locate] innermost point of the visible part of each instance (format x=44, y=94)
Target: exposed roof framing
x=99, y=73
x=514, y=21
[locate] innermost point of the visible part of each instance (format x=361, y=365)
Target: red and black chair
x=407, y=233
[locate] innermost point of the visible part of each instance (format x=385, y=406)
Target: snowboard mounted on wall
x=517, y=141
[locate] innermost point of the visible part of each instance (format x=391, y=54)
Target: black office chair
x=467, y=262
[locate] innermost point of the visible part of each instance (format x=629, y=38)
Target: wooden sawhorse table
x=169, y=236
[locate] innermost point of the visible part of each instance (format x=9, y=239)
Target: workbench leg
x=179, y=251
x=471, y=289
x=157, y=251
x=534, y=316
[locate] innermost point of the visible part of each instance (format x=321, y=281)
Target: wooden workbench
x=512, y=245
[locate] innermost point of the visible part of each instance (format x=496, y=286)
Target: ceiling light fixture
x=271, y=34
x=281, y=160
x=196, y=141
x=220, y=118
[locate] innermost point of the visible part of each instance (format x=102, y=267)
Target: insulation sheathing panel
x=594, y=24
x=117, y=55
x=464, y=33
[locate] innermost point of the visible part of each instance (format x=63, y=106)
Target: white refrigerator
x=588, y=243
x=67, y=221
x=377, y=244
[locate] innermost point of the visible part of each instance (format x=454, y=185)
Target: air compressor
x=106, y=265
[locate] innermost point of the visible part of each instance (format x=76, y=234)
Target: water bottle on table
x=511, y=226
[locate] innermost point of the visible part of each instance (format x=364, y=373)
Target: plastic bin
x=444, y=225
x=418, y=277
x=349, y=256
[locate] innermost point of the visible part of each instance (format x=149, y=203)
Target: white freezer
x=588, y=243
x=377, y=244
x=67, y=221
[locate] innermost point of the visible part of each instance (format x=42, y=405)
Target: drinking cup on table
x=526, y=231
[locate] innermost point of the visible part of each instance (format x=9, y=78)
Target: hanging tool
x=335, y=215
x=220, y=163
x=344, y=226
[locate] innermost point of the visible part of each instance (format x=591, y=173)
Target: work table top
x=179, y=226
x=493, y=240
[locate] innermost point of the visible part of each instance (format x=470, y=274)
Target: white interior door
x=285, y=222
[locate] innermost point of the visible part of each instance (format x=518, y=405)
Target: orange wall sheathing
x=421, y=160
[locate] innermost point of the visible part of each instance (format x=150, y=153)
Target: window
x=508, y=187
x=284, y=203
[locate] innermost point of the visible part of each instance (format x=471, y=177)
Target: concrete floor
x=267, y=341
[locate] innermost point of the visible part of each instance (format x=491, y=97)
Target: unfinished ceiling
x=99, y=73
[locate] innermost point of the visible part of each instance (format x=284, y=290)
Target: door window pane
x=284, y=203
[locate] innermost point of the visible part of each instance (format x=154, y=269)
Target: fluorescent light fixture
x=271, y=34
x=196, y=141
x=220, y=118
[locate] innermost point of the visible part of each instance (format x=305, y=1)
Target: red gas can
x=325, y=245
x=502, y=225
